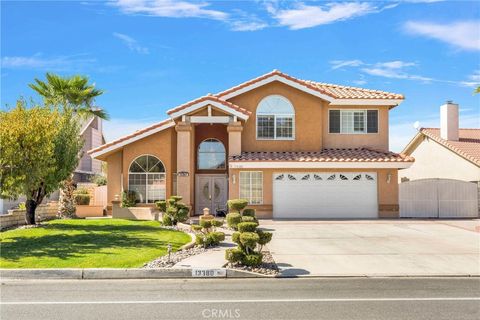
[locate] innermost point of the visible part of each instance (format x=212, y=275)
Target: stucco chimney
x=449, y=121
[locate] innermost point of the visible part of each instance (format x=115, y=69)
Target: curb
x=116, y=273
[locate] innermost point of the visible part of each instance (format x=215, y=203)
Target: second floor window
x=275, y=119
x=353, y=121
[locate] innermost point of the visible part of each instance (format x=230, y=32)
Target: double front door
x=211, y=191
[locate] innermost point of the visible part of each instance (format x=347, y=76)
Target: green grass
x=103, y=243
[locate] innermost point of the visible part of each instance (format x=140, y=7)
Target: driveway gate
x=438, y=198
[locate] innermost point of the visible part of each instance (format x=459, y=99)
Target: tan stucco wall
x=311, y=123
x=308, y=118
x=387, y=192
x=114, y=175
x=435, y=161
x=377, y=141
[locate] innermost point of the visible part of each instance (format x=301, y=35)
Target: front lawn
x=103, y=243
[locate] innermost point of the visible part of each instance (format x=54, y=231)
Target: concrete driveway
x=376, y=247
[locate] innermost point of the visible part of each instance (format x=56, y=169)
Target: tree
x=39, y=149
x=477, y=90
x=70, y=92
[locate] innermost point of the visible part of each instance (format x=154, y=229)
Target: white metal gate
x=438, y=198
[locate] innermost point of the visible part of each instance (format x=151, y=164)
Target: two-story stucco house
x=293, y=148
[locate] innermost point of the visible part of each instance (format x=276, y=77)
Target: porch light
x=389, y=177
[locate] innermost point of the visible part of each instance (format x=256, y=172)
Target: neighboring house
x=292, y=148
x=92, y=133
x=448, y=152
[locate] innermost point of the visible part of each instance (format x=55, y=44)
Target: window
x=211, y=155
x=251, y=186
x=275, y=119
x=146, y=176
x=353, y=121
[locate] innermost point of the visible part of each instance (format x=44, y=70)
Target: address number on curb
x=209, y=273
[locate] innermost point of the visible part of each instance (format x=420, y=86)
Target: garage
x=325, y=195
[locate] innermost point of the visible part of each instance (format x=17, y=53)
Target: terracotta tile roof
x=331, y=90
x=467, y=146
x=326, y=155
x=210, y=98
x=132, y=135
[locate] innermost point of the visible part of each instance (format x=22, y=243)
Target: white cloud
x=463, y=34
x=307, y=16
x=169, y=8
x=248, y=25
x=118, y=127
x=338, y=64
x=473, y=80
x=131, y=43
x=38, y=61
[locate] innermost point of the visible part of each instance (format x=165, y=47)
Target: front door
x=210, y=192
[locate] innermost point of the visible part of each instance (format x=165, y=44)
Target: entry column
x=234, y=130
x=184, y=161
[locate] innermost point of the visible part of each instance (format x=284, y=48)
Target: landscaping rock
x=164, y=262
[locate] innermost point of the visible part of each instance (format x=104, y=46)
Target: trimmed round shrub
x=216, y=236
x=264, y=237
x=199, y=239
x=182, y=215
x=82, y=199
x=236, y=237
x=252, y=260
x=207, y=224
x=237, y=205
x=233, y=219
x=161, y=205
x=247, y=226
x=248, y=212
x=176, y=198
x=248, y=219
x=234, y=255
x=210, y=239
x=249, y=239
x=217, y=223
x=166, y=220
x=196, y=227
x=171, y=201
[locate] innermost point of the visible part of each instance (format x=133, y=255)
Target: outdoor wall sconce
x=389, y=177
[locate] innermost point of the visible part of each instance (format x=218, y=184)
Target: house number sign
x=208, y=273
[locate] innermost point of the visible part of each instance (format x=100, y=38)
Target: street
x=307, y=298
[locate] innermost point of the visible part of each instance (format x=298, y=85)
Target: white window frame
x=365, y=111
x=275, y=115
x=146, y=177
x=249, y=198
x=224, y=153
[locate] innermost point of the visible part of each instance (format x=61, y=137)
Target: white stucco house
x=448, y=152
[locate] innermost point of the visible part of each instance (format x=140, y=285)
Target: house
x=448, y=152
x=92, y=133
x=293, y=148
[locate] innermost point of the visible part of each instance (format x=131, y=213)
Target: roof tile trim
x=129, y=136
x=326, y=155
x=449, y=146
x=211, y=98
x=331, y=90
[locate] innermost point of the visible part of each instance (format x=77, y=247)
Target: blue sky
x=150, y=56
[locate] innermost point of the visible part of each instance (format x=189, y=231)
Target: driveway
x=376, y=247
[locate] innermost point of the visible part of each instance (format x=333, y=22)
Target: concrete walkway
x=376, y=247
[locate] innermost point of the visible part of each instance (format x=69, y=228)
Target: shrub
x=253, y=260
x=82, y=199
x=248, y=213
x=196, y=227
x=167, y=220
x=264, y=238
x=248, y=219
x=217, y=236
x=81, y=191
x=177, y=211
x=204, y=223
x=249, y=240
x=99, y=180
x=22, y=206
x=217, y=223
x=161, y=205
x=237, y=205
x=236, y=237
x=233, y=219
x=234, y=255
x=247, y=226
x=129, y=198
x=210, y=239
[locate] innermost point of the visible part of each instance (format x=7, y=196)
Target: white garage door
x=325, y=195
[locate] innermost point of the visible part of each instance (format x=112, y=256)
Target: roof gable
x=205, y=101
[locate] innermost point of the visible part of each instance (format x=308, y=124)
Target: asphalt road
x=309, y=298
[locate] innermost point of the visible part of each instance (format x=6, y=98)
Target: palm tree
x=71, y=92
x=477, y=90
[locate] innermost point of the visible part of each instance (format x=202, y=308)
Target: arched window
x=211, y=155
x=146, y=176
x=275, y=119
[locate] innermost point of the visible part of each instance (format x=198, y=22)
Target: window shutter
x=372, y=121
x=334, y=121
